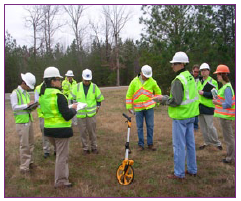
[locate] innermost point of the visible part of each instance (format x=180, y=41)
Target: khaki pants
x=46, y=144
x=209, y=132
x=87, y=127
x=228, y=137
x=26, y=136
x=61, y=162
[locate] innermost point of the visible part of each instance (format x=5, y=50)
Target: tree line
x=205, y=32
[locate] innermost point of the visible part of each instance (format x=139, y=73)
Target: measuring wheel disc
x=125, y=178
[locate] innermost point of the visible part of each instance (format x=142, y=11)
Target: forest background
x=205, y=32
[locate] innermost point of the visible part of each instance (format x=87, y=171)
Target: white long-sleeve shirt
x=14, y=100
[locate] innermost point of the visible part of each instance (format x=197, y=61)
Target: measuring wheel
x=125, y=173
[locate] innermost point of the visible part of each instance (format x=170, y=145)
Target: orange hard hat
x=222, y=69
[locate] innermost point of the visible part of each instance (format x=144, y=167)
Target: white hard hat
x=29, y=79
x=180, y=57
x=147, y=71
x=204, y=66
x=87, y=74
x=52, y=72
x=69, y=73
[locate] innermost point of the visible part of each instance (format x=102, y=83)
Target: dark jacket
x=67, y=113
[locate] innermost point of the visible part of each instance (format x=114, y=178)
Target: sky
x=15, y=24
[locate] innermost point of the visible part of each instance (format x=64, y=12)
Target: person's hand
x=30, y=103
x=200, y=92
x=215, y=102
x=159, y=97
x=130, y=111
x=74, y=106
x=97, y=109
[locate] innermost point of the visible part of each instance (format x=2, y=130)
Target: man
x=20, y=100
x=69, y=83
x=46, y=144
x=206, y=108
x=89, y=93
x=195, y=74
x=67, y=86
x=183, y=107
x=139, y=95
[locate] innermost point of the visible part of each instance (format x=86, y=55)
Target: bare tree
x=117, y=16
x=50, y=24
x=33, y=20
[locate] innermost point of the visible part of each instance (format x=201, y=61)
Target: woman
x=57, y=122
x=225, y=110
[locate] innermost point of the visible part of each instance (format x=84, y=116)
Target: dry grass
x=95, y=175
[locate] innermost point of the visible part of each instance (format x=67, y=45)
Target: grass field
x=95, y=175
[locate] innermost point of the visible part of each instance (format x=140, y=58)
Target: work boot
x=202, y=147
x=140, y=148
x=32, y=166
x=220, y=147
x=151, y=147
x=85, y=152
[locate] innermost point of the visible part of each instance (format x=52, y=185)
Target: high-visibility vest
x=39, y=111
x=189, y=106
x=67, y=86
x=49, y=106
x=140, y=95
x=228, y=113
x=22, y=116
x=94, y=95
x=203, y=100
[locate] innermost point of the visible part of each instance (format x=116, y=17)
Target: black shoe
x=202, y=147
x=220, y=147
x=225, y=161
x=46, y=155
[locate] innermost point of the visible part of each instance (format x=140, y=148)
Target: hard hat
x=29, y=79
x=147, y=71
x=204, y=66
x=180, y=57
x=69, y=73
x=52, y=72
x=87, y=74
x=222, y=69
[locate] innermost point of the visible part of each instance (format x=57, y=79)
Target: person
x=57, y=122
x=225, y=110
x=139, y=96
x=67, y=86
x=69, y=83
x=195, y=74
x=20, y=101
x=46, y=143
x=206, y=108
x=89, y=93
x=182, y=108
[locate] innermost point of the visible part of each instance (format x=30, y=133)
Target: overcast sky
x=15, y=24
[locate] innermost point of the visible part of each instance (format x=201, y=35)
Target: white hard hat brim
x=24, y=79
x=87, y=78
x=69, y=75
x=147, y=76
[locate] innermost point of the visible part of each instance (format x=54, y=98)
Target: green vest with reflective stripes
x=94, y=95
x=38, y=88
x=22, y=116
x=205, y=101
x=189, y=106
x=67, y=86
x=49, y=106
x=228, y=113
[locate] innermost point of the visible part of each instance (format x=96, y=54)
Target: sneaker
x=94, y=151
x=46, y=155
x=220, y=147
x=85, y=152
x=190, y=174
x=151, y=147
x=225, y=161
x=202, y=147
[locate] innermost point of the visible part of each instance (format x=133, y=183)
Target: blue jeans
x=196, y=123
x=149, y=118
x=184, y=145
